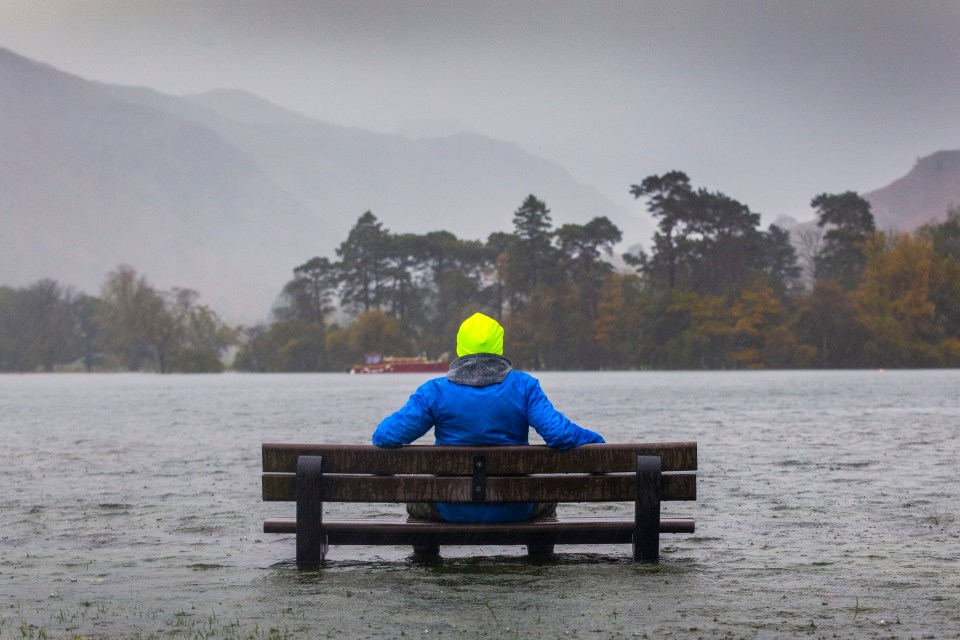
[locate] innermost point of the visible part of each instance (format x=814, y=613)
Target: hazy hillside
x=467, y=184
x=88, y=181
x=924, y=194
x=226, y=193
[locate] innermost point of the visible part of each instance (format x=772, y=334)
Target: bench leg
x=539, y=550
x=311, y=543
x=426, y=549
x=646, y=532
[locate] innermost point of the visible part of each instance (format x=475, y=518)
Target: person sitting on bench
x=481, y=401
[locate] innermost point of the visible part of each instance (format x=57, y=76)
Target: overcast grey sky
x=770, y=102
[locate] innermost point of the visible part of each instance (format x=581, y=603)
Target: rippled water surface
x=828, y=507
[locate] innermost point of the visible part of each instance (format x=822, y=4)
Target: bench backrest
x=426, y=473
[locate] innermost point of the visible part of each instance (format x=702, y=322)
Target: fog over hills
x=464, y=183
x=922, y=196
x=225, y=193
x=89, y=181
x=925, y=194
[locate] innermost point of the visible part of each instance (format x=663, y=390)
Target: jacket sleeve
x=413, y=420
x=554, y=427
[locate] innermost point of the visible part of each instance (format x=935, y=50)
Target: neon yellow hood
x=479, y=334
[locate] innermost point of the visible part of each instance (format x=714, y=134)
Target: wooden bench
x=645, y=474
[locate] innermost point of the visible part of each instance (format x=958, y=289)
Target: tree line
x=131, y=326
x=713, y=291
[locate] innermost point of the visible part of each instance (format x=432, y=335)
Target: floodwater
x=828, y=507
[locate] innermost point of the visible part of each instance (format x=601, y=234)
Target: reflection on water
x=131, y=505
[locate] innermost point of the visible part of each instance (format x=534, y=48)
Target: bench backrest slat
x=408, y=488
x=607, y=458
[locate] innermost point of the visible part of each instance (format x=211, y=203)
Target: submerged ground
x=827, y=508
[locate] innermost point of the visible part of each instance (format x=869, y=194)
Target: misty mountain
x=89, y=181
x=465, y=183
x=925, y=194
x=225, y=193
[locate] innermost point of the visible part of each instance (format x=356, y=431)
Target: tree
x=408, y=279
x=848, y=223
x=582, y=247
x=303, y=348
x=364, y=261
x=546, y=332
x=706, y=242
x=811, y=241
x=129, y=303
x=500, y=246
x=945, y=278
x=827, y=322
x=621, y=322
x=377, y=332
x=298, y=341
x=292, y=345
x=90, y=335
x=945, y=236
x=206, y=332
x=309, y=295
x=204, y=339
x=454, y=287
x=146, y=328
x=669, y=199
x=168, y=315
x=37, y=327
x=532, y=258
x=894, y=301
x=705, y=332
x=8, y=357
x=724, y=247
x=780, y=264
x=760, y=336
x=552, y=281
x=51, y=336
x=256, y=352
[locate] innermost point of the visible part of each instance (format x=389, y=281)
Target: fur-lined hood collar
x=479, y=369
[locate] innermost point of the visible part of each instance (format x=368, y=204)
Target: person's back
x=481, y=401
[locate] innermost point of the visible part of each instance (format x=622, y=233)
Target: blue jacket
x=482, y=401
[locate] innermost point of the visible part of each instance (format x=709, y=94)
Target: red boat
x=376, y=363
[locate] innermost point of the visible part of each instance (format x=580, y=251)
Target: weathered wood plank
x=535, y=488
x=607, y=458
x=406, y=532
